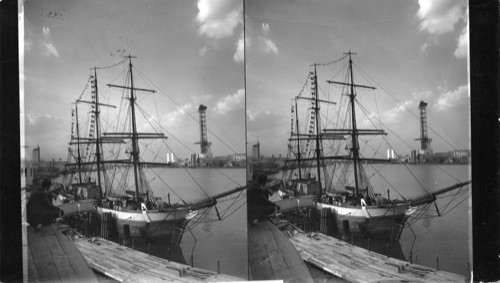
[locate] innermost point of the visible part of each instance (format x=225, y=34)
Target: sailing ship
x=110, y=166
x=351, y=198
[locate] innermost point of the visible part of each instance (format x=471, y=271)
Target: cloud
x=239, y=55
x=270, y=46
x=439, y=16
x=265, y=28
x=231, y=102
x=48, y=48
x=175, y=118
x=394, y=114
x=463, y=44
x=218, y=18
x=459, y=96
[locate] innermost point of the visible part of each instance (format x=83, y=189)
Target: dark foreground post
x=345, y=230
x=105, y=222
x=126, y=234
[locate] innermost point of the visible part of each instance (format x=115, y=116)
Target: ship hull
x=373, y=222
x=151, y=224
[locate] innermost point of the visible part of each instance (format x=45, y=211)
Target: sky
x=191, y=50
x=413, y=50
x=194, y=53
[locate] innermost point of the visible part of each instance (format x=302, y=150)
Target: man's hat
x=262, y=178
x=46, y=183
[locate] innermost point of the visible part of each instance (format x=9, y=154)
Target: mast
x=298, y=142
x=135, y=147
x=316, y=113
x=98, y=137
x=79, y=158
x=354, y=134
x=134, y=136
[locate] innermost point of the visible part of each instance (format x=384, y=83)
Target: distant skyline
x=417, y=50
x=194, y=52
x=191, y=50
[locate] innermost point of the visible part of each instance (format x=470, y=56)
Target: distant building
x=413, y=156
x=197, y=160
x=239, y=157
x=36, y=154
x=170, y=157
x=460, y=153
x=256, y=150
x=390, y=154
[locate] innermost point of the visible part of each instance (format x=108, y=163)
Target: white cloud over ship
x=218, y=19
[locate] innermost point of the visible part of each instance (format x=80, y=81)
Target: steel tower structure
x=204, y=143
x=425, y=141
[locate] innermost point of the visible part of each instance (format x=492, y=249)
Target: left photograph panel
x=133, y=114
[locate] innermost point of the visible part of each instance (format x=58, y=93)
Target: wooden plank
x=32, y=273
x=259, y=257
x=359, y=265
x=271, y=255
x=52, y=257
x=276, y=259
x=47, y=268
x=33, y=252
x=59, y=258
x=76, y=260
x=291, y=257
x=126, y=265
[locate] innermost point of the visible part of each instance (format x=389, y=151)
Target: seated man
x=40, y=210
x=259, y=207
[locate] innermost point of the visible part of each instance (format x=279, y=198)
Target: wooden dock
x=127, y=265
x=52, y=257
x=356, y=264
x=271, y=256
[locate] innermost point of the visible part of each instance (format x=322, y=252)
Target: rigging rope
x=402, y=105
x=180, y=107
x=111, y=66
x=330, y=63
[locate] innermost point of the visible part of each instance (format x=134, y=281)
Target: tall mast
x=97, y=135
x=354, y=134
x=135, y=147
x=298, y=141
x=79, y=157
x=316, y=112
x=134, y=136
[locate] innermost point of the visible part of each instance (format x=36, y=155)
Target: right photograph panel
x=358, y=140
